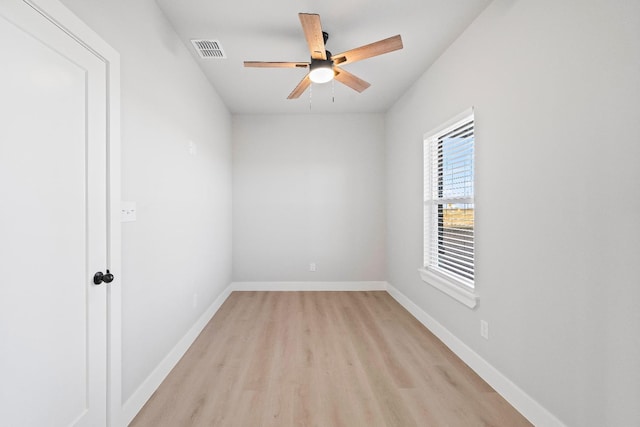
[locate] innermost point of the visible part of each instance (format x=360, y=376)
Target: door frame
x=59, y=15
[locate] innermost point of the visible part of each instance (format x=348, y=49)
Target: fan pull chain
x=333, y=91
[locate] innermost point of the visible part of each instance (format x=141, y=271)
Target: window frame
x=460, y=288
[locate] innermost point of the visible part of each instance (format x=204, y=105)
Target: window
x=449, y=208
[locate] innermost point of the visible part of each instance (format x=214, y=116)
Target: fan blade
x=302, y=86
x=313, y=33
x=368, y=51
x=261, y=64
x=354, y=82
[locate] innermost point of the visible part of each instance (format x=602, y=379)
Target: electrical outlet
x=312, y=266
x=484, y=329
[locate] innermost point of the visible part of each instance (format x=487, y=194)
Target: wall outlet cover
x=484, y=329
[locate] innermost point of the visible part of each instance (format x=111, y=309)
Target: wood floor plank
x=325, y=359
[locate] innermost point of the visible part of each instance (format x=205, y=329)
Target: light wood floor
x=321, y=359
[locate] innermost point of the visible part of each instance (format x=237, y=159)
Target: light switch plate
x=127, y=211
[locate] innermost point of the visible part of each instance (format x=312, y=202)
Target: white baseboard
x=133, y=405
x=520, y=400
x=309, y=286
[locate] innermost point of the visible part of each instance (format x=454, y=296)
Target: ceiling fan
x=324, y=66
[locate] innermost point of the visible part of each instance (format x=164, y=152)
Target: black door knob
x=108, y=277
x=99, y=277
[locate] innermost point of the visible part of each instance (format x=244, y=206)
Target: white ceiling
x=260, y=30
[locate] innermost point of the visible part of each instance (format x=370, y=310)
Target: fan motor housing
x=320, y=63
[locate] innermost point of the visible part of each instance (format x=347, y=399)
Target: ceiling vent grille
x=209, y=49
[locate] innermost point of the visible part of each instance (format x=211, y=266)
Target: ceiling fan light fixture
x=321, y=71
x=324, y=66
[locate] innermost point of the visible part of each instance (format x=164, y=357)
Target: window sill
x=465, y=296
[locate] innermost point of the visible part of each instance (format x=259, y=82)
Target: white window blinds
x=449, y=202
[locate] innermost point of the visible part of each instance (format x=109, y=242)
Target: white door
x=52, y=225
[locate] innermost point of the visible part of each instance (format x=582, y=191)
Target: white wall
x=308, y=188
x=556, y=87
x=180, y=245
